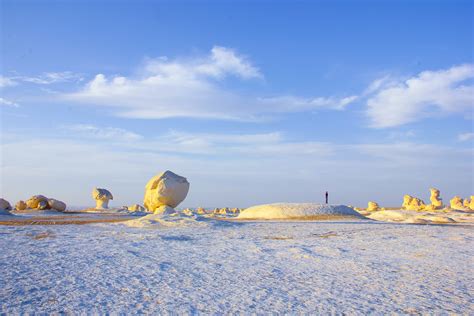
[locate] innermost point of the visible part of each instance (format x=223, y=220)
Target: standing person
x=327, y=195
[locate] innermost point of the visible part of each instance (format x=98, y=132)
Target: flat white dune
x=297, y=211
x=354, y=267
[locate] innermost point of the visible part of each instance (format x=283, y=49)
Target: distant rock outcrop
x=165, y=189
x=5, y=206
x=373, y=206
x=436, y=201
x=102, y=197
x=456, y=203
x=38, y=202
x=136, y=208
x=411, y=203
x=20, y=205
x=57, y=205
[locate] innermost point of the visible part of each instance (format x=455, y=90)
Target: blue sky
x=253, y=102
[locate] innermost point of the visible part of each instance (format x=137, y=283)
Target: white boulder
x=5, y=207
x=102, y=197
x=165, y=189
x=57, y=205
x=37, y=202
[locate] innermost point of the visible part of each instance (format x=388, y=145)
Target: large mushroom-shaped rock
x=165, y=189
x=37, y=202
x=20, y=205
x=372, y=207
x=101, y=197
x=57, y=205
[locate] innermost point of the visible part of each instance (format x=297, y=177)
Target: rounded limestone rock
x=34, y=201
x=20, y=205
x=165, y=189
x=5, y=205
x=57, y=205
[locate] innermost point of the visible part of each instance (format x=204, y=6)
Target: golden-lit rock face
x=411, y=203
x=20, y=205
x=436, y=201
x=101, y=197
x=456, y=203
x=372, y=206
x=37, y=201
x=165, y=189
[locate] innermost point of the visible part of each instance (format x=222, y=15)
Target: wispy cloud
x=191, y=88
x=6, y=102
x=102, y=133
x=428, y=94
x=231, y=169
x=45, y=78
x=464, y=137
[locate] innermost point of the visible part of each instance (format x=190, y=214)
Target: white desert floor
x=354, y=267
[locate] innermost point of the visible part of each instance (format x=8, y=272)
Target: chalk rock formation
x=21, y=205
x=165, y=189
x=57, y=205
x=136, y=208
x=188, y=212
x=201, y=211
x=373, y=206
x=412, y=203
x=456, y=203
x=466, y=202
x=37, y=201
x=235, y=210
x=5, y=205
x=164, y=210
x=471, y=204
x=436, y=201
x=101, y=197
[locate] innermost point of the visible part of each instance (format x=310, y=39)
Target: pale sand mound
x=167, y=220
x=306, y=211
x=415, y=217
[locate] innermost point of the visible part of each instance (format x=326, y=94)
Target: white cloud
x=191, y=88
x=431, y=93
x=6, y=102
x=465, y=137
x=6, y=82
x=103, y=133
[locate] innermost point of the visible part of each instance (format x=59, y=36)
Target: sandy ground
x=354, y=267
